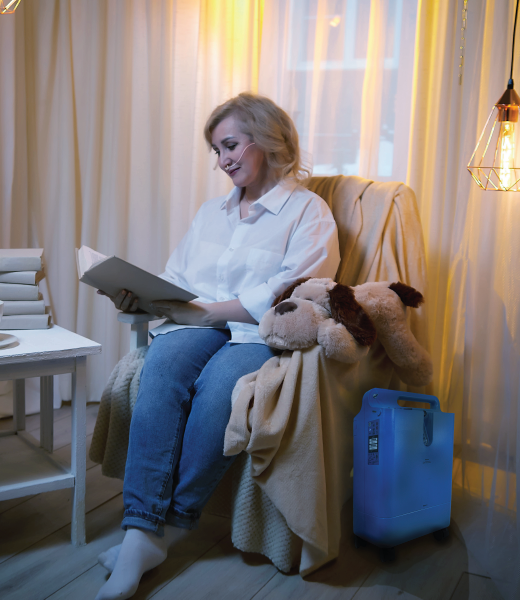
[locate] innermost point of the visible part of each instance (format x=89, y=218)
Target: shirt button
x=231, y=249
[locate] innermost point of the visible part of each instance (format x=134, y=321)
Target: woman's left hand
x=202, y=314
x=187, y=313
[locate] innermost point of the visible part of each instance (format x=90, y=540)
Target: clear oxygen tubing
x=238, y=160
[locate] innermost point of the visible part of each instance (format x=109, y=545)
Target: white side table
x=26, y=465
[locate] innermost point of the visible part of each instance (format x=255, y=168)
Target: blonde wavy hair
x=272, y=130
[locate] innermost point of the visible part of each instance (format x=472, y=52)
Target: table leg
x=19, y=404
x=78, y=456
x=47, y=413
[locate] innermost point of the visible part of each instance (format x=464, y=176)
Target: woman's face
x=229, y=143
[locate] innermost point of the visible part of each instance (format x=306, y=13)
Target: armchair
x=380, y=239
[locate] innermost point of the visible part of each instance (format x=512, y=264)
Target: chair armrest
x=139, y=327
x=134, y=318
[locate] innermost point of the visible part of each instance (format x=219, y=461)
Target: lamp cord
x=510, y=83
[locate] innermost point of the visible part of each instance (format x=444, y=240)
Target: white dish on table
x=6, y=339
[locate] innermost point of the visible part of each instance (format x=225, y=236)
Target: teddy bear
x=346, y=320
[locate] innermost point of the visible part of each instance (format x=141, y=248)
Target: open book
x=111, y=275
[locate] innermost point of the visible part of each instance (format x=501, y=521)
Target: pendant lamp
x=494, y=164
x=8, y=6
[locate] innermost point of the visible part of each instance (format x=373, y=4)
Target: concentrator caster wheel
x=442, y=534
x=387, y=555
x=358, y=542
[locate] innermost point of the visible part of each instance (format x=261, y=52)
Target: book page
x=87, y=258
x=113, y=274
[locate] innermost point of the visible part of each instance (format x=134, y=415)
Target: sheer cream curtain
x=103, y=107
x=473, y=254
x=374, y=89
x=343, y=69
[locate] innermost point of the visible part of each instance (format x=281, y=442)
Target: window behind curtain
x=324, y=64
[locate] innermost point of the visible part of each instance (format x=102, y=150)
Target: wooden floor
x=38, y=562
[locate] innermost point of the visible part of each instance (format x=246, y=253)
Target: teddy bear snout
x=285, y=307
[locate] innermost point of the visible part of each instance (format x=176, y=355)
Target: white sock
x=108, y=558
x=139, y=552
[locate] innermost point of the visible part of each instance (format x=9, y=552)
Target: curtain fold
x=102, y=142
x=473, y=253
x=372, y=91
x=381, y=98
x=7, y=124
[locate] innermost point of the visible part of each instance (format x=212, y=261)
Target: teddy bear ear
x=345, y=309
x=409, y=295
x=288, y=292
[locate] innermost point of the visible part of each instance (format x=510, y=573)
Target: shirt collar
x=273, y=201
x=231, y=200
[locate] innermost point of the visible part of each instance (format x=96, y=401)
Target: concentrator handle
x=433, y=401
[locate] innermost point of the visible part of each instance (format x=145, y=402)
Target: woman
x=239, y=254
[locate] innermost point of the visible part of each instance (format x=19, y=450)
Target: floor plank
x=61, y=448
x=423, y=568
x=475, y=587
x=61, y=454
x=216, y=576
x=62, y=427
x=32, y=422
x=25, y=521
x=186, y=549
x=50, y=564
x=38, y=562
x=30, y=522
x=339, y=579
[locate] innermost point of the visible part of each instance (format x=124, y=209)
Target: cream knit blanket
x=110, y=440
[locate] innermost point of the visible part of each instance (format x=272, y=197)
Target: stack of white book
x=20, y=272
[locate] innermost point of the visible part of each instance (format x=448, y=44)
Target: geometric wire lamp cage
x=494, y=163
x=8, y=6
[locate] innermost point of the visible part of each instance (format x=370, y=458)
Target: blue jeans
x=175, y=453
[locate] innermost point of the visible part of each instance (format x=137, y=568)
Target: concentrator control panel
x=373, y=442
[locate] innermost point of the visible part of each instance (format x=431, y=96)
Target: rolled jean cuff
x=143, y=520
x=177, y=518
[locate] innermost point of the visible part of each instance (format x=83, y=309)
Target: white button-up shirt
x=290, y=233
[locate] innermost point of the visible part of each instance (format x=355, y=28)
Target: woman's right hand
x=125, y=300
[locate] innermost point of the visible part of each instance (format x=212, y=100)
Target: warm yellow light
x=493, y=164
x=8, y=6
x=507, y=154
x=335, y=21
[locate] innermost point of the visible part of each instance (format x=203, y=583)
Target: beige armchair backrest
x=380, y=235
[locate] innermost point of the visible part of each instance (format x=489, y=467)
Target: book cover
x=24, y=307
x=111, y=275
x=17, y=291
x=25, y=277
x=25, y=321
x=21, y=259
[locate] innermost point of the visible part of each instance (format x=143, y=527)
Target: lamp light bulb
x=7, y=7
x=507, y=154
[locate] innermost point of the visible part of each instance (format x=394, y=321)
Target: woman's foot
x=108, y=558
x=139, y=552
